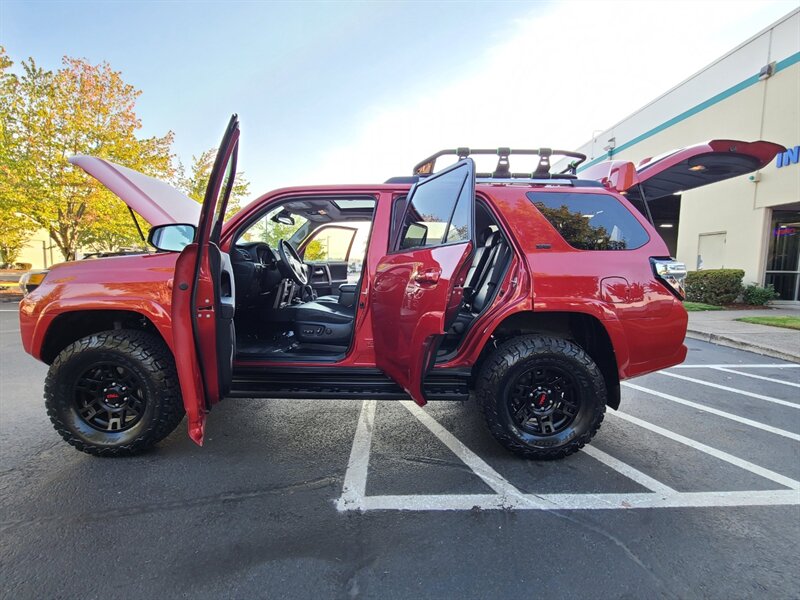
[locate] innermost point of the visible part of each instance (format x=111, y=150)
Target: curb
x=721, y=340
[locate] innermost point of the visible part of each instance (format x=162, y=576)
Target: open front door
x=418, y=285
x=203, y=298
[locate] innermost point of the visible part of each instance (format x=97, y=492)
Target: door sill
x=340, y=383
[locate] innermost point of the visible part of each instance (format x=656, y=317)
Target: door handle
x=430, y=275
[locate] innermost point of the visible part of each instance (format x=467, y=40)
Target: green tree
x=578, y=231
x=79, y=109
x=15, y=228
x=194, y=184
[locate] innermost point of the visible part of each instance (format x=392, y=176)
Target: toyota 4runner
x=539, y=291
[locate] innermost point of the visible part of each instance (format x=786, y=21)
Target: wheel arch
x=586, y=330
x=68, y=327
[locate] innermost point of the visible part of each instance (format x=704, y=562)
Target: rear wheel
x=542, y=397
x=114, y=393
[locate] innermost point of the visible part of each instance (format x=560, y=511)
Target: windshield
x=267, y=230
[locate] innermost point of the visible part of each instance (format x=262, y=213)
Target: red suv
x=538, y=291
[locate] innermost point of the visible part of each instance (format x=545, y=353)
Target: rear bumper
x=655, y=343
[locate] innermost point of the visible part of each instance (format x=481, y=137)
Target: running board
x=336, y=383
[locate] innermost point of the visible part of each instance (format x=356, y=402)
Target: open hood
x=684, y=169
x=158, y=203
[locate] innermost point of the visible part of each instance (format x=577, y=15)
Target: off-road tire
x=144, y=355
x=513, y=358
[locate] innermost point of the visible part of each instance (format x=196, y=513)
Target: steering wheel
x=291, y=265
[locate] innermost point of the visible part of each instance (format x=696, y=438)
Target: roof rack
x=502, y=170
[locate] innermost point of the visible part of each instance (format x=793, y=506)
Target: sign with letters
x=790, y=157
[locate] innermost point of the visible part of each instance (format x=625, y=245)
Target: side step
x=337, y=383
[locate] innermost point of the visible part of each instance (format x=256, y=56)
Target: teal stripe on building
x=742, y=85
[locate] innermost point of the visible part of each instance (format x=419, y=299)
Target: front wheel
x=542, y=397
x=114, y=393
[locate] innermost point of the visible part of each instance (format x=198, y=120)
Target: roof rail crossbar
x=503, y=170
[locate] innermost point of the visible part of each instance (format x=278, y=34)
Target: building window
x=783, y=259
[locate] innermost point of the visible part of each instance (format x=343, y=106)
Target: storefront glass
x=783, y=259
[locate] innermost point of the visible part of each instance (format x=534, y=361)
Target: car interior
x=297, y=272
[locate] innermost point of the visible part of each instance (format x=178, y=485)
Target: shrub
x=714, y=286
x=756, y=295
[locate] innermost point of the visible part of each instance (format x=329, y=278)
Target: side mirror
x=173, y=237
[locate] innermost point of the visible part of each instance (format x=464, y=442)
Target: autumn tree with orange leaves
x=79, y=109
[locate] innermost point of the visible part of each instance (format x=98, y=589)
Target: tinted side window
x=458, y=231
x=431, y=207
x=591, y=221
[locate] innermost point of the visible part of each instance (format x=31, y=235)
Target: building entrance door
x=783, y=258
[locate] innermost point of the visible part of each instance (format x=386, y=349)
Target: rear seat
x=485, y=272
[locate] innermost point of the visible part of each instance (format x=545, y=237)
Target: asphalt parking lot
x=691, y=491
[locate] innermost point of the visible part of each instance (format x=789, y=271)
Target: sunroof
x=354, y=204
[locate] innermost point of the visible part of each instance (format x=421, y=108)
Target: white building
x=749, y=222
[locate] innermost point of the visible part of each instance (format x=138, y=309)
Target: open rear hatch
x=684, y=169
x=157, y=202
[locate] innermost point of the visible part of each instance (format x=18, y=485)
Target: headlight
x=31, y=280
x=671, y=273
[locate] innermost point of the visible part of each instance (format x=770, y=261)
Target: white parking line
x=628, y=471
x=355, y=479
x=754, y=376
x=509, y=497
x=729, y=458
x=584, y=501
x=731, y=389
x=714, y=411
x=489, y=476
x=753, y=366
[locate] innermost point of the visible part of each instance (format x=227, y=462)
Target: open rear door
x=203, y=298
x=685, y=169
x=419, y=284
x=700, y=165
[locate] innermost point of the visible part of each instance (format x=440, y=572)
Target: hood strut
x=138, y=228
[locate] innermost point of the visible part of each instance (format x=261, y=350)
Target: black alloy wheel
x=542, y=397
x=114, y=393
x=544, y=400
x=110, y=397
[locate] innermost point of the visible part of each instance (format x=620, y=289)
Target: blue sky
x=360, y=91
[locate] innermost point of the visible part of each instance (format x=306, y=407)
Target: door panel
x=415, y=289
x=410, y=298
x=326, y=277
x=203, y=298
x=328, y=250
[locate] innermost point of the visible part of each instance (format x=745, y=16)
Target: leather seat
x=322, y=322
x=323, y=312
x=484, y=275
x=346, y=296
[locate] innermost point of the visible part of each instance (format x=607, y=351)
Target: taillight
x=671, y=273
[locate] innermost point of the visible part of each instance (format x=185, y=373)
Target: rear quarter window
x=591, y=221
